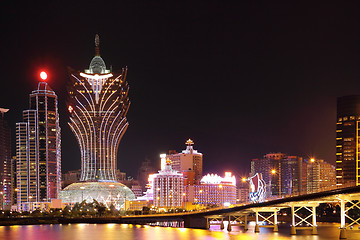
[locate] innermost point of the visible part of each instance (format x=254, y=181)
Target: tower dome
x=97, y=65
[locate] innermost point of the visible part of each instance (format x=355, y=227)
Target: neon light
x=257, y=188
x=96, y=76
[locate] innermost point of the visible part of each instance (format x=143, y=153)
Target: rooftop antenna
x=97, y=43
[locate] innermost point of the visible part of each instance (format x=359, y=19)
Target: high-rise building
x=5, y=162
x=38, y=151
x=188, y=160
x=291, y=175
x=270, y=168
x=98, y=105
x=347, y=141
x=145, y=169
x=168, y=188
x=13, y=180
x=281, y=173
x=320, y=175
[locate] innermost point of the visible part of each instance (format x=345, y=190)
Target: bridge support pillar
x=314, y=226
x=275, y=222
x=348, y=203
x=269, y=220
x=293, y=230
x=237, y=219
x=245, y=223
x=215, y=220
x=342, y=233
x=257, y=229
x=229, y=224
x=310, y=208
x=342, y=220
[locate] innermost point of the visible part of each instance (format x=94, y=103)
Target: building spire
x=97, y=43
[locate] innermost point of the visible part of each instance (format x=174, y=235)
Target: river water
x=134, y=232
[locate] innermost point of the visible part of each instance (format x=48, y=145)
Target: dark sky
x=241, y=80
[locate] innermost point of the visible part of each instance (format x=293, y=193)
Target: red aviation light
x=43, y=75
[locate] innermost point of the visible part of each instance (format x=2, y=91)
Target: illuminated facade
x=188, y=159
x=347, y=141
x=98, y=105
x=5, y=162
x=38, y=150
x=109, y=193
x=213, y=190
x=320, y=175
x=282, y=174
x=168, y=188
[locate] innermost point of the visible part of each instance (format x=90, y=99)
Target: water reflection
x=135, y=232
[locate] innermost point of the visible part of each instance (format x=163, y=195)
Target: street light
x=312, y=160
x=273, y=172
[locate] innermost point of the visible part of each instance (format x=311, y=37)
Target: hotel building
x=5, y=162
x=347, y=141
x=188, y=160
x=168, y=188
x=38, y=151
x=98, y=105
x=213, y=190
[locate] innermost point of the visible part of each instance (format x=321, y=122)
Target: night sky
x=241, y=80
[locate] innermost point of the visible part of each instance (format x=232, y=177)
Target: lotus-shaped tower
x=98, y=105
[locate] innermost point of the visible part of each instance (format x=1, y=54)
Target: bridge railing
x=294, y=194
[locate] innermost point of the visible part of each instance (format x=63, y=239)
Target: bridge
x=265, y=213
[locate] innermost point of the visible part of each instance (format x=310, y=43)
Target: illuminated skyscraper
x=38, y=151
x=5, y=162
x=98, y=105
x=188, y=160
x=281, y=173
x=320, y=175
x=347, y=140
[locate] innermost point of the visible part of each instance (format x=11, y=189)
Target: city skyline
x=256, y=87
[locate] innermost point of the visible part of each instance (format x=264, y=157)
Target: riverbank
x=56, y=220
